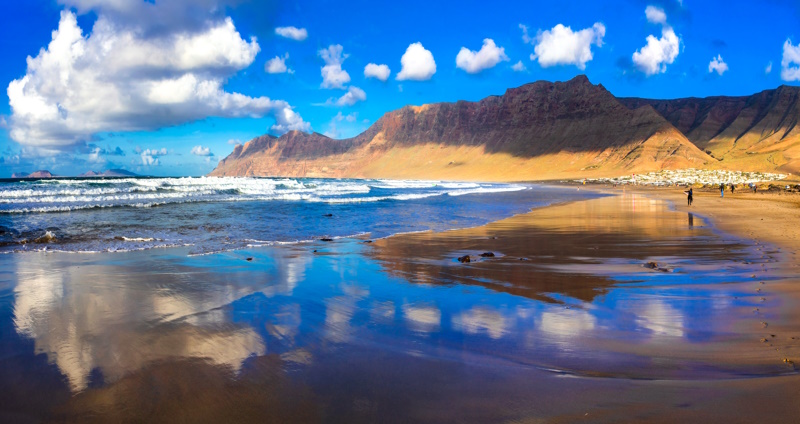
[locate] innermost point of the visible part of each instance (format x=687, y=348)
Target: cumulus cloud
x=353, y=96
x=376, y=71
x=201, y=151
x=654, y=57
x=563, y=46
x=487, y=57
x=156, y=65
x=277, y=65
x=655, y=15
x=150, y=156
x=333, y=76
x=519, y=67
x=417, y=64
x=717, y=65
x=96, y=155
x=297, y=34
x=287, y=120
x=790, y=64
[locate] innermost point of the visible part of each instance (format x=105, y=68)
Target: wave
x=46, y=196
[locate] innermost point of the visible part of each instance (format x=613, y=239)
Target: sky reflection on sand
x=581, y=303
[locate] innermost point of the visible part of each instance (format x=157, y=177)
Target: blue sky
x=168, y=88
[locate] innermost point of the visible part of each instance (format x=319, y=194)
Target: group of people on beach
x=722, y=189
x=732, y=186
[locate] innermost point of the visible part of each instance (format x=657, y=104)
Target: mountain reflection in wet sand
x=392, y=331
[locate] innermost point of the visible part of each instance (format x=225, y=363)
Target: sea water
x=213, y=214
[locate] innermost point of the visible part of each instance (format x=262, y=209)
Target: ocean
x=210, y=214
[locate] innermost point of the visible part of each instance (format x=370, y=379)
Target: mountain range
x=543, y=130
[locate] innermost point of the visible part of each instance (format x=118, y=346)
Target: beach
x=622, y=306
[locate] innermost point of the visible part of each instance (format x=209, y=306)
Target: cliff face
x=757, y=132
x=539, y=130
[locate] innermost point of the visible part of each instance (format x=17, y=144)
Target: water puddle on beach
x=586, y=300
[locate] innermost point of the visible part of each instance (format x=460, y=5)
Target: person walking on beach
x=721, y=189
x=689, y=196
x=733, y=187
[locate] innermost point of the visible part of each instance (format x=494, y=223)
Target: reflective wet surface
x=590, y=297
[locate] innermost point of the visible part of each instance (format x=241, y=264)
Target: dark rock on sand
x=326, y=239
x=249, y=259
x=654, y=266
x=464, y=259
x=487, y=255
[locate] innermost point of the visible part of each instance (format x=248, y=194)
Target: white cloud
x=297, y=34
x=717, y=65
x=380, y=72
x=156, y=152
x=234, y=141
x=655, y=15
x=153, y=70
x=487, y=57
x=525, y=37
x=563, y=46
x=201, y=151
x=336, y=130
x=150, y=156
x=519, y=67
x=352, y=117
x=654, y=57
x=96, y=156
x=790, y=63
x=333, y=76
x=277, y=65
x=417, y=64
x=287, y=120
x=768, y=69
x=353, y=96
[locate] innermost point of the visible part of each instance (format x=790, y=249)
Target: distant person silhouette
x=721, y=190
x=733, y=187
x=689, y=197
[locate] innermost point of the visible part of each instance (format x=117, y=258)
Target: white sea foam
x=72, y=195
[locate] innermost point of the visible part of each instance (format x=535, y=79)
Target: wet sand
x=564, y=323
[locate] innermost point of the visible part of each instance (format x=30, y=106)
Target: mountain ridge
x=741, y=131
x=540, y=130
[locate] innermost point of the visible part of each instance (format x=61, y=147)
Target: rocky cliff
x=540, y=130
x=757, y=133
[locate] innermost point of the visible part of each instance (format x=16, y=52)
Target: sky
x=169, y=87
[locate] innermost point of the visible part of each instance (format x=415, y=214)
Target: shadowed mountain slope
x=539, y=130
x=757, y=133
